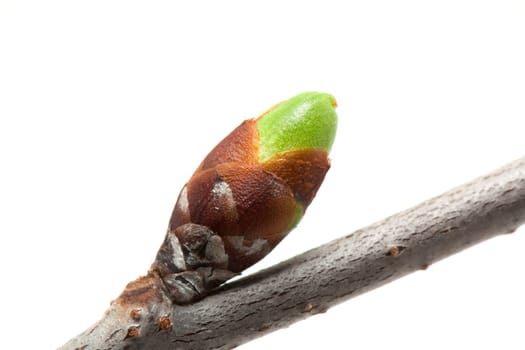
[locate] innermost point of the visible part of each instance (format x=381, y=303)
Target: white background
x=106, y=108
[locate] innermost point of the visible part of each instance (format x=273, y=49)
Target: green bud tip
x=305, y=121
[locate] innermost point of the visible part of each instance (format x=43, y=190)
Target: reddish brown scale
x=180, y=215
x=210, y=203
x=241, y=145
x=302, y=170
x=265, y=203
x=234, y=199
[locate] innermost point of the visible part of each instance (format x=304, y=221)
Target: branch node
x=135, y=314
x=164, y=323
x=308, y=307
x=395, y=251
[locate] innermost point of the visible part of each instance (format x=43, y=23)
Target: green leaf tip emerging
x=306, y=121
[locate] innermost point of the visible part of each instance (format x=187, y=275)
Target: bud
x=247, y=194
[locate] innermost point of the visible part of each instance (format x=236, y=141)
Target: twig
x=143, y=317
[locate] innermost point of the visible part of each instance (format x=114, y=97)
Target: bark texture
x=143, y=317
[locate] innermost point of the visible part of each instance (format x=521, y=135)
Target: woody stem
x=322, y=277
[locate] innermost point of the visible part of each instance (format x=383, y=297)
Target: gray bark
x=143, y=317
